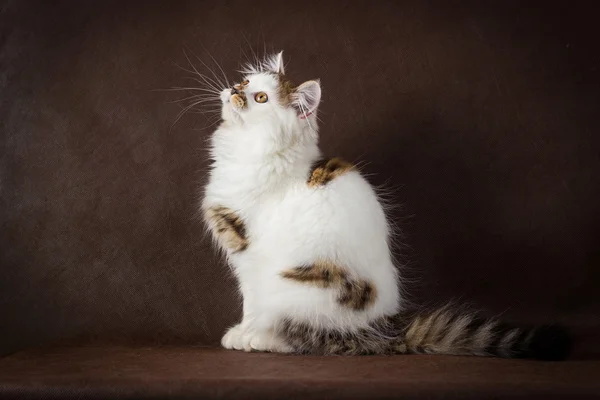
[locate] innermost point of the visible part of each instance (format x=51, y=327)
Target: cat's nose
x=234, y=91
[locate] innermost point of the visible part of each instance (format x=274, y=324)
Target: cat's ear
x=275, y=63
x=307, y=97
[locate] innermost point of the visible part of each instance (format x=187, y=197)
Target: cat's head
x=264, y=94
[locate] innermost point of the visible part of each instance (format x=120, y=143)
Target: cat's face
x=265, y=94
x=257, y=96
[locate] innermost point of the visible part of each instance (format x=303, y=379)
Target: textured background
x=482, y=117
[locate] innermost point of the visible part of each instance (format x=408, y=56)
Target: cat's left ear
x=306, y=98
x=275, y=63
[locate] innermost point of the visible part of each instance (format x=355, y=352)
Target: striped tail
x=447, y=331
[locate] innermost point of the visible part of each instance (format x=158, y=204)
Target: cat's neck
x=253, y=167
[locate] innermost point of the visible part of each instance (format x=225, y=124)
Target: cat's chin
x=230, y=114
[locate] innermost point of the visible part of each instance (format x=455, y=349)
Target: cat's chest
x=279, y=216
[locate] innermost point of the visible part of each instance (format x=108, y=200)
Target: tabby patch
x=327, y=170
x=228, y=228
x=286, y=89
x=354, y=293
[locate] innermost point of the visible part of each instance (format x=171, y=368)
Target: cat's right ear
x=307, y=97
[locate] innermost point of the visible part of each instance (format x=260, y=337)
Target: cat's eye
x=261, y=97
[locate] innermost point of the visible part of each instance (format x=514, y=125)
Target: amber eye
x=261, y=97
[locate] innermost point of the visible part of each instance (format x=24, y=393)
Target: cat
x=309, y=241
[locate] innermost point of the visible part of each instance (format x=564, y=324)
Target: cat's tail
x=454, y=332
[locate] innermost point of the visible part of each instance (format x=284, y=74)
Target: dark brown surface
x=204, y=373
x=483, y=119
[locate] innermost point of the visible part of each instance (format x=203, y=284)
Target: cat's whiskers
x=206, y=83
x=197, y=96
x=217, y=120
x=209, y=87
x=246, y=58
x=218, y=66
x=176, y=88
x=209, y=90
x=214, y=83
x=206, y=80
x=207, y=93
x=211, y=113
x=216, y=78
x=255, y=59
x=186, y=109
x=303, y=109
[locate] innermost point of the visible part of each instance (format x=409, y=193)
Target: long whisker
x=212, y=113
x=264, y=45
x=208, y=90
x=303, y=109
x=204, y=99
x=214, y=86
x=263, y=56
x=207, y=95
x=174, y=89
x=185, y=69
x=214, y=123
x=205, y=82
x=222, y=84
x=206, y=79
x=211, y=82
x=243, y=52
x=254, y=55
x=217, y=64
x=205, y=106
x=214, y=89
x=182, y=112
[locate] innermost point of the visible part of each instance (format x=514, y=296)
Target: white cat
x=309, y=242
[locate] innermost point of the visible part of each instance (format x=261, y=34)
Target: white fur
x=261, y=161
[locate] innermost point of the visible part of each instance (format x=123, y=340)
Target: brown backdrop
x=482, y=117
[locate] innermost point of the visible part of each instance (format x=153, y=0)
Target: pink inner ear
x=308, y=98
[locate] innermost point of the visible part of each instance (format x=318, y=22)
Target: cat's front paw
x=268, y=342
x=233, y=339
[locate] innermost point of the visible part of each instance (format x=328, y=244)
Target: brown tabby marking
x=285, y=90
x=228, y=228
x=241, y=86
x=356, y=294
x=322, y=274
x=327, y=170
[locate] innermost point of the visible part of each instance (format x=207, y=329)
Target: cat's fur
x=309, y=242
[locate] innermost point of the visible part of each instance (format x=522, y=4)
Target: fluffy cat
x=309, y=242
